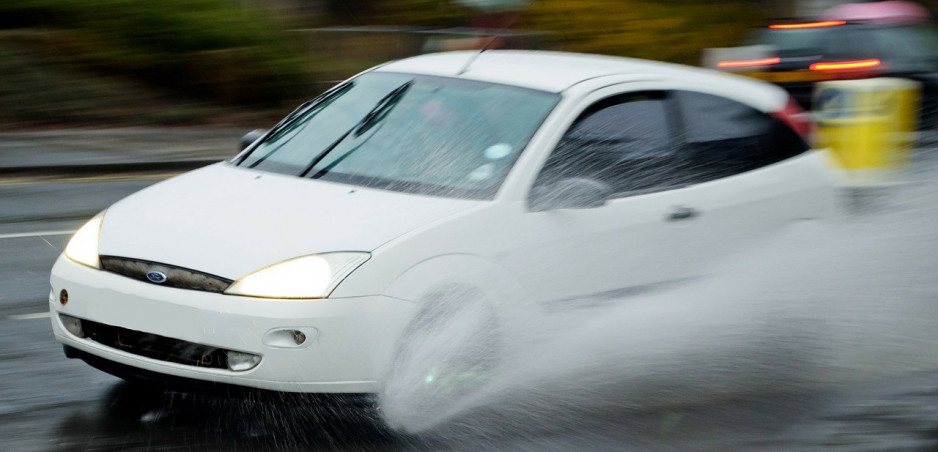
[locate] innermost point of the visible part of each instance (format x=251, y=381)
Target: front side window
x=722, y=137
x=623, y=142
x=411, y=133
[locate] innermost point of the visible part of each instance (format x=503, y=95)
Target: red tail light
x=748, y=63
x=795, y=118
x=846, y=65
x=819, y=24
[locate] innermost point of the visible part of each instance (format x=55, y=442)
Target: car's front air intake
x=156, y=347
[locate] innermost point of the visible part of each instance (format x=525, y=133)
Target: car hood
x=229, y=221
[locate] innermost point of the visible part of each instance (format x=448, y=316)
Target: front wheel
x=450, y=350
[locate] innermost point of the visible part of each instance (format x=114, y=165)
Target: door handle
x=682, y=213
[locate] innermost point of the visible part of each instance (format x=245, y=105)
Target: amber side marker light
x=845, y=65
x=63, y=297
x=748, y=63
x=820, y=24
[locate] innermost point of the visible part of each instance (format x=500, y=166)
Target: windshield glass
x=419, y=134
x=792, y=42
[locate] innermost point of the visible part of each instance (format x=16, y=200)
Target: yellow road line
x=96, y=178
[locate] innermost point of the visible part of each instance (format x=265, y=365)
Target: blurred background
x=71, y=63
x=101, y=99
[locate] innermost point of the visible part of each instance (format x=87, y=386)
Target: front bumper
x=349, y=342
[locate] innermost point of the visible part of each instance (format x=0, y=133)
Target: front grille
x=155, y=347
x=178, y=277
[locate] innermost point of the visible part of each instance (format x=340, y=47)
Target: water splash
x=815, y=306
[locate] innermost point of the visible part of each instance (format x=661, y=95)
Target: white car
x=525, y=182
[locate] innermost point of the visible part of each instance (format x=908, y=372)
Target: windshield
x=792, y=42
x=419, y=134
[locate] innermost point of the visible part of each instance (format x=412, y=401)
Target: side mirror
x=571, y=193
x=250, y=137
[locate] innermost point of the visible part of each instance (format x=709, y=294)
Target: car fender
x=455, y=272
x=431, y=280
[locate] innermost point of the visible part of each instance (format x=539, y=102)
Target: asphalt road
x=48, y=402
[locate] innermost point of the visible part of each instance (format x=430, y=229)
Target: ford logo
x=156, y=276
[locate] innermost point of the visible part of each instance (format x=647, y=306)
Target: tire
x=450, y=350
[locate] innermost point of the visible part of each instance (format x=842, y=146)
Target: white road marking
x=37, y=315
x=18, y=235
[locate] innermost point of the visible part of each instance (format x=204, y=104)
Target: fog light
x=72, y=325
x=63, y=297
x=239, y=362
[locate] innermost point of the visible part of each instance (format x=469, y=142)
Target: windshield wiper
x=374, y=116
x=307, y=106
x=381, y=110
x=291, y=121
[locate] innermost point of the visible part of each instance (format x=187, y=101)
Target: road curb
x=97, y=169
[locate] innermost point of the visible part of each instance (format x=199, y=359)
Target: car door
x=748, y=175
x=632, y=243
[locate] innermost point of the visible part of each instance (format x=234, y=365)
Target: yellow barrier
x=869, y=125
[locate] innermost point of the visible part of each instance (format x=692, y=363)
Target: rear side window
x=851, y=43
x=907, y=48
x=723, y=137
x=624, y=141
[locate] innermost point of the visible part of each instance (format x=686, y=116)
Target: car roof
x=542, y=70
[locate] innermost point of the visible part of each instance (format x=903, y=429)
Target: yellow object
x=869, y=125
x=804, y=76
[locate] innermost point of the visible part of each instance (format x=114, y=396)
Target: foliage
x=214, y=49
x=675, y=30
x=36, y=90
x=109, y=60
x=430, y=13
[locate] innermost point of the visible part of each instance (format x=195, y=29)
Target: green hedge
x=670, y=30
x=217, y=49
x=675, y=30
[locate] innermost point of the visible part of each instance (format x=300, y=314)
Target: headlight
x=83, y=247
x=313, y=276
